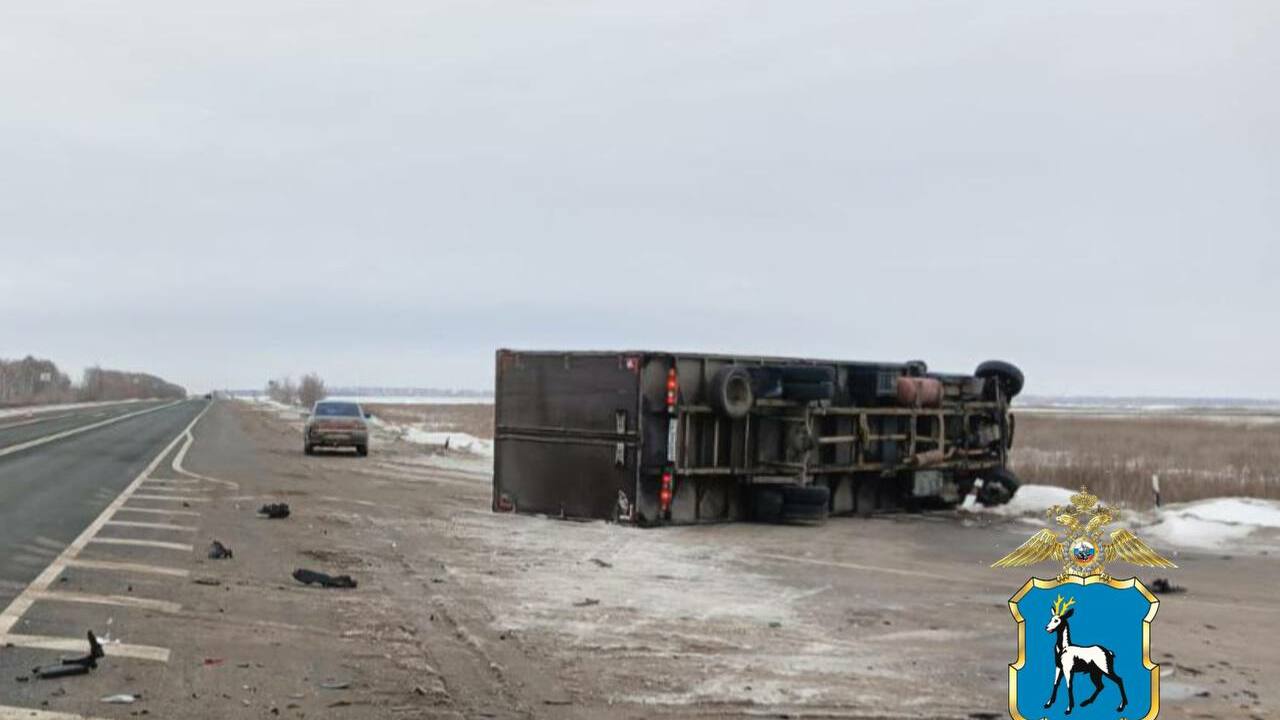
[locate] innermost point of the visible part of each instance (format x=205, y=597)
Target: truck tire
x=730, y=392
x=362, y=450
x=807, y=504
x=1007, y=374
x=808, y=392
x=807, y=374
x=308, y=449
x=999, y=485
x=766, y=504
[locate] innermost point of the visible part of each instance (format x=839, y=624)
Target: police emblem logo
x=1084, y=625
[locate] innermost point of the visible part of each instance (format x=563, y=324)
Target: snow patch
x=463, y=442
x=1214, y=523
x=1029, y=500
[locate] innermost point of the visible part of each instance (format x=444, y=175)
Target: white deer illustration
x=1071, y=659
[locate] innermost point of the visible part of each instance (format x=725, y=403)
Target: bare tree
x=310, y=390
x=283, y=390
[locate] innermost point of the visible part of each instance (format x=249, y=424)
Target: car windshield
x=337, y=409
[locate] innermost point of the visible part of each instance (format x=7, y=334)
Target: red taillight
x=664, y=495
x=672, y=385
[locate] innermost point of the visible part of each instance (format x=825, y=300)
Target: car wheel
x=308, y=449
x=362, y=450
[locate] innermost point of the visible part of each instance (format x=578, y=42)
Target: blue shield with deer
x=1084, y=650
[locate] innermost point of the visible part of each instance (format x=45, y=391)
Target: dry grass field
x=475, y=419
x=1196, y=456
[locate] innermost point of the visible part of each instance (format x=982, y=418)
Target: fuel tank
x=919, y=392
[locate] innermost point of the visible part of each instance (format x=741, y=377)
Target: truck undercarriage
x=658, y=438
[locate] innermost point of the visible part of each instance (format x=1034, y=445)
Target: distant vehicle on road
x=334, y=423
x=659, y=438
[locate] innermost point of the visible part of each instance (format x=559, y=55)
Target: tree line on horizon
x=38, y=381
x=306, y=392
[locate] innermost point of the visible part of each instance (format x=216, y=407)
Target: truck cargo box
x=659, y=438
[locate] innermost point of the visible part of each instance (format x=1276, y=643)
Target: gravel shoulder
x=463, y=613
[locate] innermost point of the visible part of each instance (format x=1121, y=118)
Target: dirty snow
x=1213, y=523
x=1029, y=500
x=460, y=441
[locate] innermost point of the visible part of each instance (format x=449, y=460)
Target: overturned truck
x=659, y=438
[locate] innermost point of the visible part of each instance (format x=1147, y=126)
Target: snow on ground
x=1029, y=500
x=453, y=440
x=415, y=399
x=1203, y=524
x=1213, y=523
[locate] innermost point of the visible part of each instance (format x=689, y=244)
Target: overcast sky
x=386, y=192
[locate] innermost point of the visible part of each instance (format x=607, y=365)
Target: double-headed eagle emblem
x=1081, y=549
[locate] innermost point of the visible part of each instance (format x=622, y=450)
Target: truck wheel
x=1007, y=374
x=998, y=487
x=807, y=504
x=362, y=450
x=807, y=374
x=808, y=392
x=308, y=449
x=730, y=392
x=766, y=504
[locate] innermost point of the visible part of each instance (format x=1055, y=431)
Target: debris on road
x=211, y=661
x=218, y=551
x=307, y=577
x=275, y=511
x=73, y=666
x=1163, y=586
x=213, y=582
x=588, y=602
x=602, y=563
x=335, y=685
x=122, y=699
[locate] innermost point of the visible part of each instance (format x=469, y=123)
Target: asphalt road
x=51, y=492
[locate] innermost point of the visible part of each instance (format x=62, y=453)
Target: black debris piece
x=308, y=577
x=73, y=666
x=218, y=551
x=275, y=511
x=1164, y=587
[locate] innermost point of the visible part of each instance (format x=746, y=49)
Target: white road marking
x=180, y=498
x=128, y=567
x=176, y=490
x=84, y=428
x=23, y=602
x=142, y=543
x=151, y=525
x=43, y=642
x=118, y=600
x=159, y=511
x=21, y=713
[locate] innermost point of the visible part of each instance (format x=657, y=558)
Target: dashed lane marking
x=82, y=429
x=117, y=600
x=28, y=597
x=21, y=713
x=114, y=566
x=43, y=642
x=151, y=525
x=158, y=511
x=172, y=498
x=142, y=543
